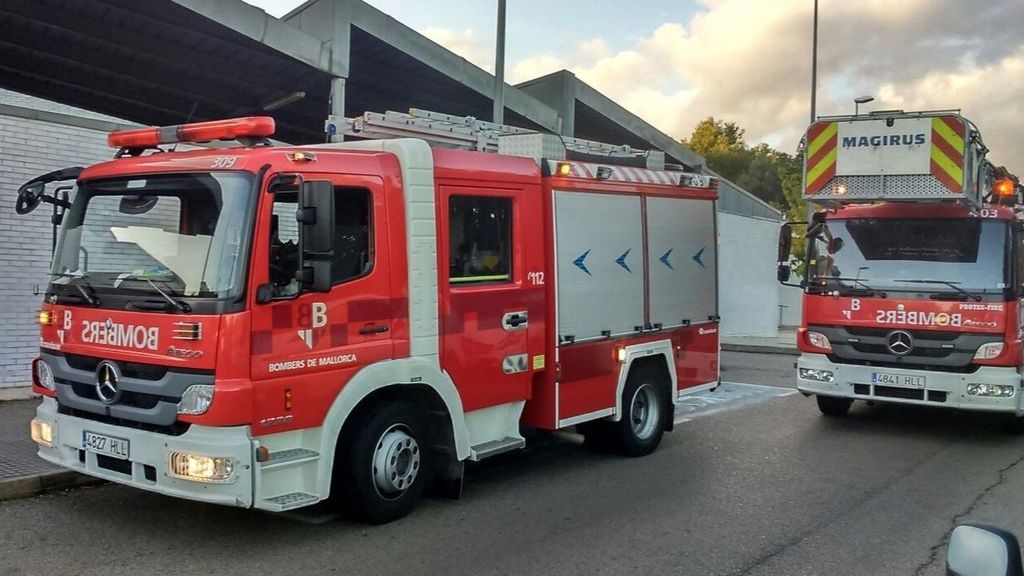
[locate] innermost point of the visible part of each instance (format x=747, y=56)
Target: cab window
x=480, y=239
x=353, y=255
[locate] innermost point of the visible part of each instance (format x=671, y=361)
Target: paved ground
x=782, y=343
x=17, y=451
x=757, y=484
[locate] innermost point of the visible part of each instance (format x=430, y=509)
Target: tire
x=644, y=410
x=834, y=407
x=382, y=470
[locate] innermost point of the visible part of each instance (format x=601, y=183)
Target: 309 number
x=224, y=161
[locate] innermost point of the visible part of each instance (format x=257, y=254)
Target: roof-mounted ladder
x=469, y=133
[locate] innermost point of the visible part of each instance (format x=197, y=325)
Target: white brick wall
x=29, y=148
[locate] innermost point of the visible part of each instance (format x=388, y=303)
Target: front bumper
x=943, y=389
x=149, y=456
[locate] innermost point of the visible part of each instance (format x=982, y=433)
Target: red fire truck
x=270, y=326
x=914, y=266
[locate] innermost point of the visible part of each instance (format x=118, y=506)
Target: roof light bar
x=230, y=129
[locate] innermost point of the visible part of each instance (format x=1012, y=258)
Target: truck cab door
x=307, y=345
x=492, y=292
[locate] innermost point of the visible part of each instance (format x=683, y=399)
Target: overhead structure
x=165, y=62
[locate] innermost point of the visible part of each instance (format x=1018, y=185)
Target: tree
x=771, y=175
x=758, y=170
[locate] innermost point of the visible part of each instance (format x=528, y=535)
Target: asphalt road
x=751, y=482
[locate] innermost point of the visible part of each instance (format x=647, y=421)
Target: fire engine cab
x=914, y=267
x=272, y=326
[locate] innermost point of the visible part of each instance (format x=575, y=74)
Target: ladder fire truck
x=914, y=266
x=273, y=326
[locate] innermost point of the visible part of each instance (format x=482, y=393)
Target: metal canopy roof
x=592, y=115
x=165, y=61
x=152, y=62
x=392, y=67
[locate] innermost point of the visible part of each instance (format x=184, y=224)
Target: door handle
x=514, y=320
x=373, y=329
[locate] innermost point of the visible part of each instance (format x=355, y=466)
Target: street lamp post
x=814, y=64
x=498, y=117
x=861, y=100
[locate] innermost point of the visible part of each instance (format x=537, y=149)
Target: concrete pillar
x=337, y=104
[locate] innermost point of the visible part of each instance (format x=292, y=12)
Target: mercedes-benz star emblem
x=108, y=376
x=900, y=342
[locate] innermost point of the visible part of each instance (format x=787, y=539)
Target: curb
x=760, y=349
x=36, y=484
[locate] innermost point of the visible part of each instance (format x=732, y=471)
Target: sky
x=674, y=63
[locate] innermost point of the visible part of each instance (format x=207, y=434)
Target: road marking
x=728, y=396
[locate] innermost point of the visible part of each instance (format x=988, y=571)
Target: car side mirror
x=316, y=235
x=979, y=550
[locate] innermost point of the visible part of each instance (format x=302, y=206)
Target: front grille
x=128, y=369
x=134, y=399
x=904, y=393
x=176, y=429
x=918, y=352
x=884, y=332
x=148, y=393
x=114, y=464
x=932, y=350
x=966, y=369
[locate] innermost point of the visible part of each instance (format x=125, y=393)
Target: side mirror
x=785, y=242
x=979, y=550
x=316, y=235
x=783, y=272
x=29, y=197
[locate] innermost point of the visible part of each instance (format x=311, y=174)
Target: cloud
x=465, y=43
x=748, y=61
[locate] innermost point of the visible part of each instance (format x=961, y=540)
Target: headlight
x=819, y=340
x=989, y=351
x=43, y=374
x=816, y=375
x=42, y=432
x=196, y=399
x=991, y=390
x=201, y=468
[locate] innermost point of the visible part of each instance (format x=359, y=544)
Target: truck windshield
x=181, y=234
x=940, y=257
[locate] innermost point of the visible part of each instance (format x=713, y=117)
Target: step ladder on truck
x=913, y=266
x=274, y=326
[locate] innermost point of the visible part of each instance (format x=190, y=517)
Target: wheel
x=834, y=407
x=644, y=408
x=384, y=467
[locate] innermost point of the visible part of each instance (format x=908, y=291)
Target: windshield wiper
x=178, y=305
x=871, y=291
x=952, y=285
x=90, y=295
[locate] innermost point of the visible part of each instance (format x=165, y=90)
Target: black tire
x=645, y=406
x=834, y=407
x=394, y=434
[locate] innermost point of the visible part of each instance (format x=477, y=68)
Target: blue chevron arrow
x=697, y=257
x=579, y=262
x=621, y=261
x=664, y=259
